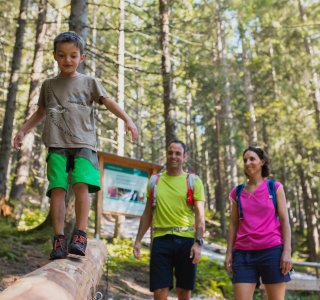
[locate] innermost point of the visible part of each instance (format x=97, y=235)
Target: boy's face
x=68, y=57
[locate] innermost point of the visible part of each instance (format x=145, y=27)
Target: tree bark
x=119, y=219
x=78, y=22
x=315, y=93
x=248, y=87
x=6, y=143
x=228, y=125
x=25, y=155
x=64, y=279
x=308, y=206
x=169, y=111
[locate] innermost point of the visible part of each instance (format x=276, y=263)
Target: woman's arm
x=286, y=261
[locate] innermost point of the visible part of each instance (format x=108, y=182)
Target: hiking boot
x=78, y=244
x=60, y=247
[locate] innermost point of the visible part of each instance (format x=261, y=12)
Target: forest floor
x=22, y=253
x=19, y=256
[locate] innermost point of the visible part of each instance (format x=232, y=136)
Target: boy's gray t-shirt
x=69, y=111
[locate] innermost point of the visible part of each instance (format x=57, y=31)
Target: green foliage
x=121, y=257
x=31, y=218
x=290, y=295
x=12, y=240
x=213, y=280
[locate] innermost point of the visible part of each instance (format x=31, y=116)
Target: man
x=178, y=228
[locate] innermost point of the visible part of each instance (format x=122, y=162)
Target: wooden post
x=73, y=278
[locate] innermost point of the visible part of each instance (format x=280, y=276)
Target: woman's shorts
x=170, y=255
x=82, y=170
x=249, y=266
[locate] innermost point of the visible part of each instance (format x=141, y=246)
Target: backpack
x=272, y=194
x=153, y=182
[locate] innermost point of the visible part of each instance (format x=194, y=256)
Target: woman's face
x=252, y=164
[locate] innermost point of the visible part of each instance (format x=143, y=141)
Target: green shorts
x=82, y=171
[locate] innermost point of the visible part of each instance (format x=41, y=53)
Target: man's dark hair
x=265, y=172
x=176, y=141
x=69, y=37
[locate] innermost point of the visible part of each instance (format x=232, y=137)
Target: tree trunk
x=78, y=22
x=25, y=155
x=315, y=93
x=220, y=201
x=248, y=88
x=228, y=128
x=189, y=128
x=169, y=112
x=310, y=216
x=120, y=219
x=5, y=149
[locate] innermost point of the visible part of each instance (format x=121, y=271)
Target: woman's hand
x=285, y=262
x=228, y=262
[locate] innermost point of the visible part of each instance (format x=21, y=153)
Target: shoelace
x=58, y=243
x=77, y=238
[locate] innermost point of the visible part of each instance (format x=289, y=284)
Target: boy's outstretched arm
x=115, y=108
x=33, y=121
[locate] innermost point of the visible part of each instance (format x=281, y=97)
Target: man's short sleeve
x=198, y=193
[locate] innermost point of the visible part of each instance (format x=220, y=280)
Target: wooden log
x=73, y=278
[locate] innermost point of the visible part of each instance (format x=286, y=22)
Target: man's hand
x=17, y=141
x=195, y=253
x=130, y=126
x=136, y=250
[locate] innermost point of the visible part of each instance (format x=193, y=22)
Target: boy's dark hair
x=265, y=172
x=176, y=141
x=69, y=37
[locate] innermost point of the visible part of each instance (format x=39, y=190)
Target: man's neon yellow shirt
x=171, y=207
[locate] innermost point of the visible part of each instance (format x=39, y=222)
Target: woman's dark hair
x=265, y=172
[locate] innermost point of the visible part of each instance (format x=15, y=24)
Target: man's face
x=175, y=156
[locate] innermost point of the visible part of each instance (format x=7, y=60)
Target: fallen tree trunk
x=73, y=278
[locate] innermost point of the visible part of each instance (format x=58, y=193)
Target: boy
x=66, y=103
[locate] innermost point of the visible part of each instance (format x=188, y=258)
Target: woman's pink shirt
x=260, y=227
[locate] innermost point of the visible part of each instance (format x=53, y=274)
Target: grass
x=212, y=279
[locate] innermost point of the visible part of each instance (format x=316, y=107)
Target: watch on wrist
x=199, y=241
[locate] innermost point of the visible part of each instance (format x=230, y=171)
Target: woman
x=259, y=241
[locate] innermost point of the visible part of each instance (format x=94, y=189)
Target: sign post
x=123, y=186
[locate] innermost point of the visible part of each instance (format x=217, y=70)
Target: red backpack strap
x=153, y=181
x=190, y=187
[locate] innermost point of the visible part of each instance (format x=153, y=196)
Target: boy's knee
x=80, y=186
x=57, y=193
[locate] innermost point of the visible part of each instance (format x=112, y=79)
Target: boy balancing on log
x=66, y=104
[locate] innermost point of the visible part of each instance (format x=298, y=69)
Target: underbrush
x=212, y=279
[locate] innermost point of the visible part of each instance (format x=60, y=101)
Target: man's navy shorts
x=249, y=266
x=170, y=254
